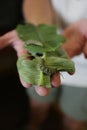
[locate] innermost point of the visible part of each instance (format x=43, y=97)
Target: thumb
x=18, y=45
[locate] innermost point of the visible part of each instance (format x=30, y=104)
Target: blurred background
x=20, y=110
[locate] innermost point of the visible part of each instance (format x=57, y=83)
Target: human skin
x=76, y=39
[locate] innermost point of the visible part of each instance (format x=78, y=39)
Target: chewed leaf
x=30, y=72
x=33, y=49
x=60, y=64
x=28, y=69
x=47, y=57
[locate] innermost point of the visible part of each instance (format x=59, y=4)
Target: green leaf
x=60, y=64
x=44, y=45
x=27, y=32
x=46, y=35
x=59, y=52
x=30, y=72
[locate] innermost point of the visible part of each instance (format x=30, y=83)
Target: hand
x=76, y=39
x=11, y=38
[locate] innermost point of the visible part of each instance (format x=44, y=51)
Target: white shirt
x=72, y=11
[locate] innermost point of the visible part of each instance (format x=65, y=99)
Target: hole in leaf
x=30, y=57
x=39, y=54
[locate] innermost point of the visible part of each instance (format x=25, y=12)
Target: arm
x=38, y=11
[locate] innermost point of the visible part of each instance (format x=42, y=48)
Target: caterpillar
x=47, y=70
x=34, y=42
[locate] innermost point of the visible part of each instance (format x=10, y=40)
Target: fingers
x=55, y=80
x=26, y=85
x=42, y=91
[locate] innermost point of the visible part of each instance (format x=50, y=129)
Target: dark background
x=13, y=98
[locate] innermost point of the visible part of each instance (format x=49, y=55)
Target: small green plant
x=45, y=56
